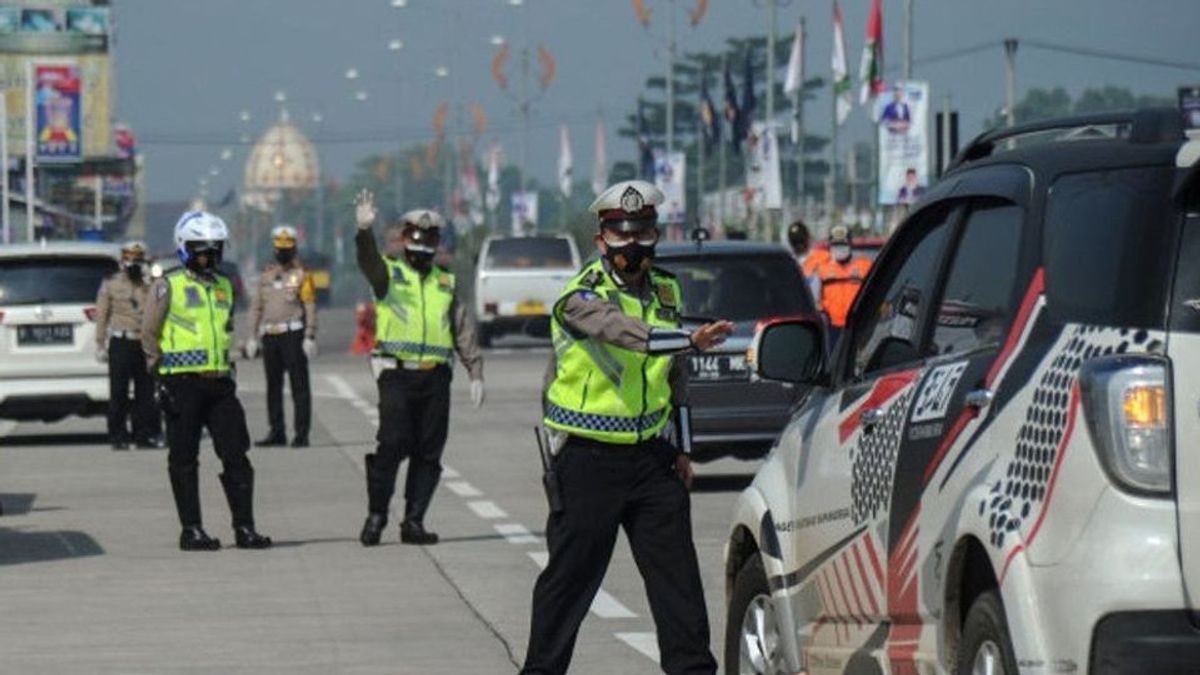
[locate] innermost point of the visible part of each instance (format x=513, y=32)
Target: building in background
x=86, y=180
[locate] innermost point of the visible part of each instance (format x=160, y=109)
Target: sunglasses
x=619, y=239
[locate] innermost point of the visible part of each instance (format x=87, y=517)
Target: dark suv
x=995, y=471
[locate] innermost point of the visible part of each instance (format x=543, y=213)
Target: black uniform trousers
x=127, y=363
x=192, y=402
x=606, y=487
x=414, y=416
x=285, y=352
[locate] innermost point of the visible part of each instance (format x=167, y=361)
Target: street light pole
x=671, y=78
x=908, y=40
x=772, y=21
x=1010, y=53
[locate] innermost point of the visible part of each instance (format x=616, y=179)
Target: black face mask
x=631, y=258
x=419, y=260
x=204, y=259
x=134, y=270
x=285, y=255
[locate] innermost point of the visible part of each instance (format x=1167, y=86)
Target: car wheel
x=986, y=648
x=753, y=643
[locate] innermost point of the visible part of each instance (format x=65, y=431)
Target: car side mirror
x=789, y=350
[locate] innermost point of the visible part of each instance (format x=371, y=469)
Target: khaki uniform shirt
x=285, y=293
x=120, y=304
x=462, y=325
x=158, y=304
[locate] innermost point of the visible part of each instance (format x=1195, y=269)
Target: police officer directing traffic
x=613, y=390
x=284, y=312
x=186, y=337
x=120, y=304
x=419, y=325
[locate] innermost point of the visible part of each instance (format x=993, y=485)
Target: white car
x=517, y=282
x=995, y=471
x=48, y=366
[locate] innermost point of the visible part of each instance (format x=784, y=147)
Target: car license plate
x=718, y=367
x=45, y=334
x=531, y=308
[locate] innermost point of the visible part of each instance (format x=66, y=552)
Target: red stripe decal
x=862, y=571
x=1062, y=451
x=874, y=561
x=887, y=387
x=858, y=603
x=837, y=576
x=1036, y=287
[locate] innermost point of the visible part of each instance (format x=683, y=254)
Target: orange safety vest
x=813, y=260
x=839, y=286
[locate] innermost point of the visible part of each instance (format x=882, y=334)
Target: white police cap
x=425, y=219
x=628, y=205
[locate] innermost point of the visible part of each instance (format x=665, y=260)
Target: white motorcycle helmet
x=200, y=232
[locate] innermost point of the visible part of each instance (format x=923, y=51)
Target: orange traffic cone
x=364, y=337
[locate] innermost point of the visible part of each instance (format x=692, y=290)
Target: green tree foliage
x=1040, y=104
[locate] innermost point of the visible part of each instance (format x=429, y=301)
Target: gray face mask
x=840, y=252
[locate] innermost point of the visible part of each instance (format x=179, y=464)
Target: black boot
x=194, y=538
x=273, y=439
x=246, y=537
x=414, y=532
x=300, y=441
x=372, y=529
x=239, y=492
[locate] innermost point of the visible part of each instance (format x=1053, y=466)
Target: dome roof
x=283, y=159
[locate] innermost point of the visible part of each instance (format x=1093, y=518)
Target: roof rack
x=1149, y=125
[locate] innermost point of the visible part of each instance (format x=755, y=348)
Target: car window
x=884, y=327
x=980, y=288
x=740, y=287
x=67, y=280
x=529, y=253
x=1106, y=239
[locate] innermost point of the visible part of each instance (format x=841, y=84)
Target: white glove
x=364, y=209
x=477, y=393
x=101, y=355
x=250, y=349
x=310, y=348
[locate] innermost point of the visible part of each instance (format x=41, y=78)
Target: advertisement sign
x=1189, y=107
x=524, y=211
x=903, y=117
x=669, y=173
x=54, y=30
x=762, y=171
x=95, y=72
x=10, y=20
x=58, y=118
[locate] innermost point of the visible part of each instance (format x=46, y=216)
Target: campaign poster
x=524, y=212
x=58, y=119
x=669, y=172
x=903, y=119
x=763, y=181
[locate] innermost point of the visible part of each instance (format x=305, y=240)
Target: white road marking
x=447, y=472
x=463, y=489
x=7, y=427
x=646, y=643
x=487, y=509
x=604, y=605
x=516, y=533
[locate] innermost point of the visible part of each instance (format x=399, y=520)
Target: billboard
x=54, y=29
x=903, y=120
x=524, y=211
x=58, y=115
x=669, y=172
x=95, y=73
x=762, y=171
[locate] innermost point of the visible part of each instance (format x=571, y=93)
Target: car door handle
x=871, y=417
x=980, y=399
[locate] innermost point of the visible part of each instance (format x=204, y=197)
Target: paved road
x=91, y=579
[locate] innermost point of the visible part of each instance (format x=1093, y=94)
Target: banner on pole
x=524, y=212
x=763, y=180
x=57, y=112
x=669, y=173
x=903, y=143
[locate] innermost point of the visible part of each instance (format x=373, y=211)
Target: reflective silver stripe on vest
x=608, y=365
x=189, y=326
x=414, y=347
x=195, y=357
x=602, y=423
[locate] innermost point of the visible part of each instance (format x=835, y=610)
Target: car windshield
x=529, y=253
x=740, y=287
x=28, y=281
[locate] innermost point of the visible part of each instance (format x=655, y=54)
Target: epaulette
x=592, y=278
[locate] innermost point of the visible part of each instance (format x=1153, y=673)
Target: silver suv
x=48, y=366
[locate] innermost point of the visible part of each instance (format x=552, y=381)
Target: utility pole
x=4, y=209
x=701, y=141
x=671, y=79
x=772, y=21
x=721, y=151
x=908, y=40
x=1010, y=53
x=523, y=107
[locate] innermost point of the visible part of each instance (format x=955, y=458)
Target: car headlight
x=1127, y=402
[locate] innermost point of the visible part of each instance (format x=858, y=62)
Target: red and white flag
x=600, y=165
x=843, y=101
x=870, y=69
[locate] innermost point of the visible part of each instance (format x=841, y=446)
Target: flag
x=749, y=102
x=565, y=162
x=646, y=153
x=492, y=198
x=731, y=109
x=710, y=123
x=600, y=166
x=870, y=70
x=841, y=76
x=792, y=82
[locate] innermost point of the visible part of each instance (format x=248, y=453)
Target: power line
x=1110, y=55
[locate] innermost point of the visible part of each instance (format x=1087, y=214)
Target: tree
x=1040, y=104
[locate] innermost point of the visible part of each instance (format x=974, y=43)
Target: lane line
x=487, y=509
x=604, y=605
x=447, y=472
x=463, y=489
x=516, y=533
x=646, y=643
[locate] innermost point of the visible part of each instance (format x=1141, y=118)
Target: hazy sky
x=186, y=68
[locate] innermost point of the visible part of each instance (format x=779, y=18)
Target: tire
x=986, y=648
x=747, y=651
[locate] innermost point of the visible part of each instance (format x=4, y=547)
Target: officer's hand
x=364, y=209
x=310, y=347
x=477, y=393
x=683, y=467
x=711, y=334
x=250, y=349
x=101, y=355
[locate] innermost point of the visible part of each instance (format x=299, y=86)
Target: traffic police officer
x=420, y=324
x=612, y=388
x=284, y=313
x=119, y=307
x=186, y=337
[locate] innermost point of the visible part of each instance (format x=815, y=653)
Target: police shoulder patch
x=592, y=279
x=587, y=295
x=666, y=295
